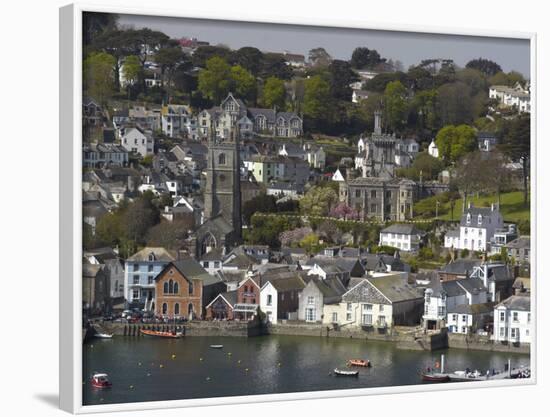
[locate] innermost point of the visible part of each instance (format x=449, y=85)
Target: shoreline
x=404, y=340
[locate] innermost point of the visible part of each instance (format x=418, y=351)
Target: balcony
x=245, y=308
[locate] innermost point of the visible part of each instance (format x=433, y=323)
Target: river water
x=144, y=369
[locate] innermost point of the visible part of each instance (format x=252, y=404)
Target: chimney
x=469, y=204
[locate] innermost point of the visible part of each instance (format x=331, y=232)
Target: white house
x=513, y=320
x=433, y=150
x=137, y=140
x=268, y=302
x=357, y=95
x=469, y=318
x=405, y=237
x=177, y=121
x=477, y=228
x=516, y=96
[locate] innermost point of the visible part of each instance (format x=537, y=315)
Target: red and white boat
x=155, y=333
x=100, y=380
x=359, y=362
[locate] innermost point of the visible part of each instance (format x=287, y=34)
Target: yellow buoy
x=173, y=356
x=201, y=359
x=229, y=354
x=239, y=361
x=131, y=387
x=161, y=366
x=246, y=369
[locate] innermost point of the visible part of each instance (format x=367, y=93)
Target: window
x=150, y=279
x=335, y=317
x=171, y=287
x=528, y=318
x=136, y=267
x=165, y=288
x=373, y=208
x=464, y=318
x=455, y=317
x=367, y=307
x=502, y=316
x=149, y=268
x=464, y=329
x=135, y=294
x=367, y=319
x=269, y=299
x=348, y=316
x=348, y=307
x=382, y=320
x=479, y=219
x=221, y=159
x=164, y=308
x=310, y=299
x=190, y=288
x=176, y=288
x=468, y=218
x=205, y=264
x=136, y=279
x=515, y=316
x=176, y=309
x=441, y=310
x=514, y=333
x=216, y=264
x=310, y=314
x=357, y=193
x=373, y=194
x=381, y=307
x=501, y=333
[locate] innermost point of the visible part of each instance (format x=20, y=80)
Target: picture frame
x=70, y=292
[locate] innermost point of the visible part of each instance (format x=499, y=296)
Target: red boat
x=155, y=333
x=359, y=362
x=435, y=377
x=101, y=381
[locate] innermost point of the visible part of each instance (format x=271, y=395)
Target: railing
x=245, y=307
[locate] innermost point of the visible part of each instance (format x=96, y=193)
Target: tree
x=454, y=104
x=365, y=58
x=99, y=76
x=454, y=142
x=131, y=69
x=292, y=237
x=378, y=83
x=274, y=93
x=140, y=215
x=203, y=53
x=318, y=201
x=274, y=65
x=262, y=203
x=516, y=144
x=243, y=83
x=424, y=164
x=395, y=105
x=95, y=23
x=509, y=79
x=317, y=101
x=168, y=59
x=249, y=58
x=311, y=244
x=215, y=79
x=319, y=57
x=487, y=67
x=170, y=235
x=420, y=78
x=474, y=79
x=343, y=211
x=341, y=76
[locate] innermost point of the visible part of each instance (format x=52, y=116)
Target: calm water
x=305, y=364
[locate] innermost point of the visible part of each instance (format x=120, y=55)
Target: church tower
x=222, y=195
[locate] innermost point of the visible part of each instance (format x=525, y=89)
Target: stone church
x=222, y=195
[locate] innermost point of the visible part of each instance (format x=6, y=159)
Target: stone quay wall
x=476, y=342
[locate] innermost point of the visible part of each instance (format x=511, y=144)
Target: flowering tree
x=294, y=236
x=343, y=211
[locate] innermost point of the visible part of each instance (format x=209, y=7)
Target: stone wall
x=475, y=342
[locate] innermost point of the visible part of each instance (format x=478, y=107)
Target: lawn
x=511, y=206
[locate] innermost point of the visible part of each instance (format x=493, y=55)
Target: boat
x=100, y=380
x=340, y=372
x=155, y=333
x=430, y=375
x=216, y=346
x=103, y=335
x=359, y=362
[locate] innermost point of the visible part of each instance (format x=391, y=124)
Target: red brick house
x=179, y=289
x=241, y=304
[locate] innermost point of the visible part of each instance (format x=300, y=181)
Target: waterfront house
x=183, y=288
x=405, y=237
x=377, y=304
x=497, y=277
x=439, y=297
x=280, y=295
x=470, y=318
x=241, y=304
x=140, y=271
x=96, y=155
x=113, y=268
x=316, y=294
x=520, y=249
x=95, y=289
x=512, y=320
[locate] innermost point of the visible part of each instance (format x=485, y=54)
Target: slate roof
x=288, y=284
x=522, y=283
x=474, y=212
x=268, y=113
x=213, y=255
x=161, y=254
x=520, y=242
x=90, y=270
x=191, y=269
x=472, y=309
x=331, y=288
x=516, y=302
x=472, y=285
x=396, y=288
x=229, y=296
x=460, y=266
x=403, y=229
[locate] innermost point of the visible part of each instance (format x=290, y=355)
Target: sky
x=407, y=47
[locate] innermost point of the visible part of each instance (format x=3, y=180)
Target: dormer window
x=468, y=218
x=151, y=257
x=479, y=219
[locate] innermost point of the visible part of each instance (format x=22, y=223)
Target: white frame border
x=70, y=202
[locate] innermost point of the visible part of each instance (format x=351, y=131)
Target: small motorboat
x=216, y=346
x=434, y=377
x=340, y=372
x=103, y=335
x=100, y=380
x=155, y=333
x=359, y=362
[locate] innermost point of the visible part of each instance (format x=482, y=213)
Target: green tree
x=378, y=83
x=310, y=243
x=243, y=83
x=454, y=142
x=99, y=76
x=487, y=67
x=395, y=105
x=215, y=79
x=318, y=201
x=363, y=57
x=274, y=65
x=131, y=69
x=319, y=57
x=262, y=203
x=454, y=104
x=317, y=101
x=249, y=58
x=274, y=93
x=203, y=53
x=168, y=59
x=341, y=76
x=509, y=79
x=516, y=144
x=424, y=164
